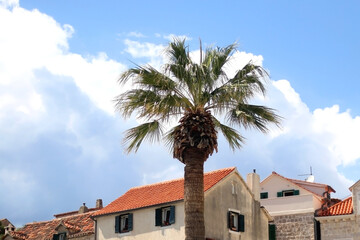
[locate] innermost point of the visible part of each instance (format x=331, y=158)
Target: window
x=263, y=195
x=124, y=223
x=287, y=193
x=165, y=216
x=59, y=236
x=236, y=221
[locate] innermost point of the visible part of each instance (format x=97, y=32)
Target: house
x=75, y=225
x=292, y=203
x=342, y=220
x=156, y=211
x=7, y=226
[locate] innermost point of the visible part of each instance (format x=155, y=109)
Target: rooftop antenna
x=310, y=177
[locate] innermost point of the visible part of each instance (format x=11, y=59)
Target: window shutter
x=241, y=223
x=117, y=224
x=263, y=195
x=55, y=237
x=228, y=219
x=272, y=232
x=158, y=217
x=172, y=215
x=279, y=194
x=296, y=192
x=130, y=221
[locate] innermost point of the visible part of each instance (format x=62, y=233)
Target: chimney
x=253, y=182
x=83, y=209
x=99, y=203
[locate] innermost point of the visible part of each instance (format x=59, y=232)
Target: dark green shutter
x=272, y=232
x=228, y=219
x=241, y=222
x=117, y=224
x=158, y=217
x=279, y=194
x=263, y=195
x=56, y=237
x=172, y=215
x=296, y=192
x=130, y=221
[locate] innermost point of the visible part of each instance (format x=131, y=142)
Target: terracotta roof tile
x=77, y=225
x=159, y=193
x=344, y=207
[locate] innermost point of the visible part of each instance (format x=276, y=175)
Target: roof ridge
x=179, y=179
x=304, y=181
x=60, y=218
x=170, y=191
x=341, y=202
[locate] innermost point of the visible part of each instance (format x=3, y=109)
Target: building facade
x=292, y=203
x=156, y=211
x=342, y=220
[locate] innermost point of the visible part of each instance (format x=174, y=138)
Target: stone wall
x=295, y=226
x=336, y=228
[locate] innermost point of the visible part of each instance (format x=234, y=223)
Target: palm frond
x=232, y=136
x=134, y=136
x=149, y=104
x=178, y=52
x=215, y=59
x=169, y=137
x=253, y=116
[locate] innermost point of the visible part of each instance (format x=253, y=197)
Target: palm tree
x=195, y=92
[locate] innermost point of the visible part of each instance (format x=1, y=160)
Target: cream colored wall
x=143, y=225
x=220, y=199
x=277, y=184
x=302, y=203
x=291, y=205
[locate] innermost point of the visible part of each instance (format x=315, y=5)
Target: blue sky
x=60, y=140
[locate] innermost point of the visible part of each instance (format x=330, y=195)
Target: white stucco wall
x=143, y=225
x=302, y=203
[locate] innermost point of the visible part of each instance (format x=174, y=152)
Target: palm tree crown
x=195, y=91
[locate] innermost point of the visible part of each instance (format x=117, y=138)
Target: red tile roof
x=77, y=225
x=344, y=207
x=159, y=193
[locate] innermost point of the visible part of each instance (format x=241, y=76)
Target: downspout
x=95, y=228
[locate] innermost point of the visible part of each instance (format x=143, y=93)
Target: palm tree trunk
x=194, y=159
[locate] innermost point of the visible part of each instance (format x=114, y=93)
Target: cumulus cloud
x=171, y=37
x=40, y=42
x=9, y=3
x=153, y=53
x=136, y=34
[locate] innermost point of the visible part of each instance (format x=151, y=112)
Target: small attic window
x=59, y=236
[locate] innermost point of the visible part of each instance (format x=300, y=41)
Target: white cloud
x=151, y=51
x=32, y=40
x=171, y=37
x=9, y=3
x=136, y=34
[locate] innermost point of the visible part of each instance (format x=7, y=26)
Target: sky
x=61, y=139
